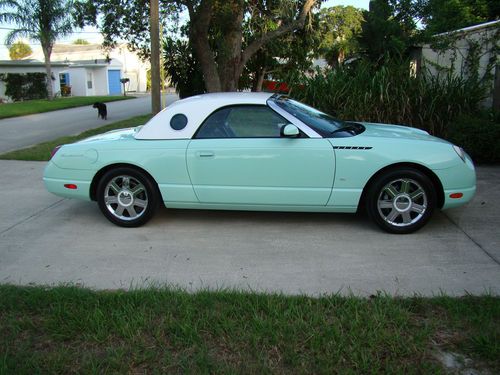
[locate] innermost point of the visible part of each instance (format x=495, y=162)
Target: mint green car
x=258, y=151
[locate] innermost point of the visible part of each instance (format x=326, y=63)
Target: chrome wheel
x=125, y=197
x=402, y=202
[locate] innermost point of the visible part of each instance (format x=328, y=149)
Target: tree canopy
x=216, y=29
x=389, y=28
x=81, y=41
x=19, y=50
x=447, y=15
x=340, y=27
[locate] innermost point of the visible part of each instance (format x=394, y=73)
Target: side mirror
x=290, y=131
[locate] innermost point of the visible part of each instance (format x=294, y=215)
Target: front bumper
x=460, y=178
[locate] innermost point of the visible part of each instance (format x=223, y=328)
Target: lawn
x=41, y=151
x=74, y=330
x=38, y=106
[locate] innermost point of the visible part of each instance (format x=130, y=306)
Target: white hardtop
x=196, y=109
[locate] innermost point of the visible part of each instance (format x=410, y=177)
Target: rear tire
x=401, y=201
x=127, y=197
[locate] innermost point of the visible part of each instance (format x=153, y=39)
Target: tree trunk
x=47, y=51
x=225, y=74
x=198, y=36
x=258, y=80
x=155, y=58
x=229, y=58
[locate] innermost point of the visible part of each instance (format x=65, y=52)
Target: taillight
x=54, y=151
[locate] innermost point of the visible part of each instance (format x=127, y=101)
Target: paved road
x=45, y=239
x=20, y=132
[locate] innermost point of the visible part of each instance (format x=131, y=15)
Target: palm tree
x=42, y=21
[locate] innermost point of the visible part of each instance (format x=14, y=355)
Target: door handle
x=206, y=154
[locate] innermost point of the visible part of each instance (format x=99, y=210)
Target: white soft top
x=196, y=109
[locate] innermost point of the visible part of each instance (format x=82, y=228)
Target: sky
x=91, y=35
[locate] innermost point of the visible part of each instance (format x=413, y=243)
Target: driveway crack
x=38, y=213
x=472, y=239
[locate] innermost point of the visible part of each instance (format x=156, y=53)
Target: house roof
x=472, y=28
x=62, y=48
x=89, y=63
x=30, y=63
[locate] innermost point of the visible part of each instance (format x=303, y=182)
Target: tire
x=127, y=197
x=401, y=201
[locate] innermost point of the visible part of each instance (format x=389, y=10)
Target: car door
x=238, y=157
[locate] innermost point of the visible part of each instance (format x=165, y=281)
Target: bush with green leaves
x=182, y=67
x=26, y=86
x=479, y=135
x=390, y=93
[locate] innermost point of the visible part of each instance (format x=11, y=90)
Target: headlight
x=460, y=152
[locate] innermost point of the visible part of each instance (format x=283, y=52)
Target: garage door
x=114, y=82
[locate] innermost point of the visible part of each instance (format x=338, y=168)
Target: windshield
x=322, y=123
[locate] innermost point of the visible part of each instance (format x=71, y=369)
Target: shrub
x=183, y=68
x=479, y=136
x=390, y=94
x=26, y=86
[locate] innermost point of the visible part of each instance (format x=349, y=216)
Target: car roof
x=196, y=109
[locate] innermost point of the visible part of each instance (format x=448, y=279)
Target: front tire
x=401, y=201
x=127, y=197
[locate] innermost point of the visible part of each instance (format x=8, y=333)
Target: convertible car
x=259, y=151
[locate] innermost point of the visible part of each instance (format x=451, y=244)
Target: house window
x=89, y=80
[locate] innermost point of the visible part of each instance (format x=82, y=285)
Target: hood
x=113, y=135
x=397, y=132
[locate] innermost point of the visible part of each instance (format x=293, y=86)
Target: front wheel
x=127, y=197
x=401, y=201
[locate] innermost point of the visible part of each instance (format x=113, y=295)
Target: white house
x=30, y=66
x=483, y=39
x=94, y=71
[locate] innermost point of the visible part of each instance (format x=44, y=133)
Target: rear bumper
x=55, y=178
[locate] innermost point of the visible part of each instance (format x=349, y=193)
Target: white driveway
x=48, y=240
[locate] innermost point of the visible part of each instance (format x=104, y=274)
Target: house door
x=114, y=82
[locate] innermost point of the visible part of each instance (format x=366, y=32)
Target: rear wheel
x=401, y=201
x=127, y=197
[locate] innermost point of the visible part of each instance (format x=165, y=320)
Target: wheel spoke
x=114, y=187
x=406, y=217
x=416, y=194
x=126, y=182
x=385, y=204
x=405, y=186
x=110, y=199
x=391, y=191
x=137, y=190
x=140, y=203
x=131, y=211
x=392, y=215
x=418, y=208
x=119, y=210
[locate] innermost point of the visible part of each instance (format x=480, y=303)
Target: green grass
x=73, y=330
x=41, y=151
x=43, y=105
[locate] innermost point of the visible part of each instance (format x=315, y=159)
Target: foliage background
x=25, y=86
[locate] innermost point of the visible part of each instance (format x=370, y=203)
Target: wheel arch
x=105, y=169
x=421, y=168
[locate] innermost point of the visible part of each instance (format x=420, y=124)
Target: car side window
x=242, y=122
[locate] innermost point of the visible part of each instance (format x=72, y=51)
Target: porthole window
x=178, y=121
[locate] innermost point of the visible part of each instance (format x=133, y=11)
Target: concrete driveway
x=48, y=240
x=25, y=131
